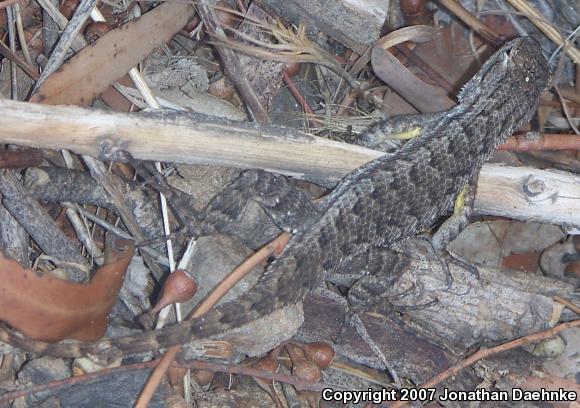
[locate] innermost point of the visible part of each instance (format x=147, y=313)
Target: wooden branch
x=174, y=137
x=522, y=193
x=526, y=193
x=42, y=228
x=231, y=62
x=423, y=96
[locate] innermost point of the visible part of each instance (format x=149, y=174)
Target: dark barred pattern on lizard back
x=376, y=206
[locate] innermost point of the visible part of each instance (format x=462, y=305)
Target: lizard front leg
x=384, y=135
x=452, y=227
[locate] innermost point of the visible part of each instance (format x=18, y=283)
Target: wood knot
x=112, y=149
x=537, y=190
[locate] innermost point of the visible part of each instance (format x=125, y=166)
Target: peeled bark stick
x=522, y=193
x=67, y=37
x=179, y=137
x=42, y=228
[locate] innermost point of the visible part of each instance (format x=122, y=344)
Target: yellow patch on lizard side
x=460, y=201
x=407, y=134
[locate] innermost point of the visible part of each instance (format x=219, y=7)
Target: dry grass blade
x=551, y=32
x=292, y=46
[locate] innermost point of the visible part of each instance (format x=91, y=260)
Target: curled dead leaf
x=46, y=308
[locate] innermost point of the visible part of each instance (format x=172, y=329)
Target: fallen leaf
x=424, y=97
x=47, y=308
x=93, y=69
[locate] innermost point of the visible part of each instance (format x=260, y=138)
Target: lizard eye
x=527, y=81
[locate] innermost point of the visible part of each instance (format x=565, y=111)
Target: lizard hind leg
x=379, y=270
x=285, y=204
x=373, y=290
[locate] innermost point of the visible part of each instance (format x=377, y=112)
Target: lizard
x=370, y=210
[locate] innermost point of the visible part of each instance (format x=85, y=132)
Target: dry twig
x=485, y=353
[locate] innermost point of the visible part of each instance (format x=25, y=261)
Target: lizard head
x=507, y=88
x=525, y=65
x=518, y=66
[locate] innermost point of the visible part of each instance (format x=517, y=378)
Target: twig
x=241, y=6
x=310, y=115
x=118, y=231
x=544, y=141
x=12, y=44
x=7, y=53
x=568, y=304
x=551, y=32
x=234, y=277
x=102, y=175
x=79, y=379
x=571, y=95
x=50, y=29
x=41, y=227
x=61, y=21
x=20, y=31
x=83, y=234
x=254, y=372
x=66, y=40
x=231, y=63
x=80, y=225
x=566, y=111
x=195, y=364
x=484, y=353
x=464, y=15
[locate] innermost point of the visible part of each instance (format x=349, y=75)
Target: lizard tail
x=279, y=286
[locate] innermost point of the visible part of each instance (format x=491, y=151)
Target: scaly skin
x=379, y=204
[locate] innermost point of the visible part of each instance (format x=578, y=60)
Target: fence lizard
x=373, y=208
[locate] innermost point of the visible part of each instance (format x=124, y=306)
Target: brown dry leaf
x=97, y=66
x=417, y=34
x=46, y=308
x=424, y=97
x=450, y=54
